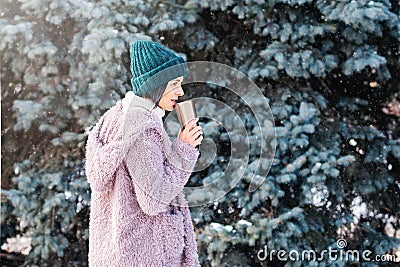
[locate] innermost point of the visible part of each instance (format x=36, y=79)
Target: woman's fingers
x=198, y=141
x=197, y=133
x=191, y=124
x=195, y=130
x=192, y=133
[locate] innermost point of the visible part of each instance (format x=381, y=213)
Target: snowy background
x=329, y=69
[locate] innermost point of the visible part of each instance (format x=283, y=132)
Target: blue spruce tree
x=327, y=68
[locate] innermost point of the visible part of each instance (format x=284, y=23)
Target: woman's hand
x=192, y=134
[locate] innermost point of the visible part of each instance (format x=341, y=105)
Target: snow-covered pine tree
x=334, y=174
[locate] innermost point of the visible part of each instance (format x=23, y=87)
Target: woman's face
x=171, y=94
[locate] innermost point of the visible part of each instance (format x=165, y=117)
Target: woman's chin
x=166, y=107
x=169, y=108
x=172, y=107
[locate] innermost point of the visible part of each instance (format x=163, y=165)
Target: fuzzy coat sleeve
x=159, y=176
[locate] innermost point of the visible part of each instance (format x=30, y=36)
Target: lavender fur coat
x=139, y=216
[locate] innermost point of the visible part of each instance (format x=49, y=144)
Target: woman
x=139, y=216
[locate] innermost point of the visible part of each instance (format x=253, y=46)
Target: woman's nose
x=180, y=91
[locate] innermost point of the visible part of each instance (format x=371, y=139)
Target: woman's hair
x=155, y=94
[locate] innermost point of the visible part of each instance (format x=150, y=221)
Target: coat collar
x=134, y=100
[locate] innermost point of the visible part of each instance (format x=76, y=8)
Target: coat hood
x=112, y=135
x=104, y=149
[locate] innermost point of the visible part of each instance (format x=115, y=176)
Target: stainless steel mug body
x=185, y=111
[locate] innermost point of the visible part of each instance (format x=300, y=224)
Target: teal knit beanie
x=152, y=65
